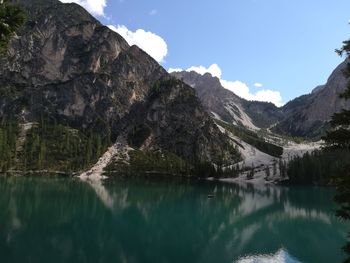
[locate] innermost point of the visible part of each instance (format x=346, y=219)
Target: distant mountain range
x=227, y=106
x=306, y=116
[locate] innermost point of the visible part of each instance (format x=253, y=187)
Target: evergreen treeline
x=51, y=146
x=151, y=162
x=319, y=167
x=166, y=163
x=8, y=139
x=332, y=164
x=339, y=138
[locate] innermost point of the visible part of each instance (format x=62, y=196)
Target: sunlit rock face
x=308, y=115
x=66, y=66
x=305, y=116
x=227, y=106
x=281, y=256
x=70, y=66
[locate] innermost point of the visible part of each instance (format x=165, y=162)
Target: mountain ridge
x=305, y=116
x=73, y=80
x=227, y=105
x=308, y=115
x=66, y=68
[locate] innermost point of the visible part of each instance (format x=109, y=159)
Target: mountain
x=70, y=87
x=306, y=116
x=238, y=117
x=227, y=106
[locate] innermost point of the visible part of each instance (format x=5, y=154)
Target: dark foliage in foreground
x=339, y=138
x=318, y=168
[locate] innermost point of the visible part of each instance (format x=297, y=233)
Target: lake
x=159, y=220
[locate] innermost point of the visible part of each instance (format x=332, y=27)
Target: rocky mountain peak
x=305, y=116
x=226, y=105
x=308, y=115
x=66, y=67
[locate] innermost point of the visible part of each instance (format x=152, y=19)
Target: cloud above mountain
x=153, y=12
x=238, y=87
x=95, y=7
x=150, y=42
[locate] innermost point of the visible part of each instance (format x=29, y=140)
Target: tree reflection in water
x=141, y=220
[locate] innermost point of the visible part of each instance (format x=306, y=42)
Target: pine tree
x=89, y=150
x=11, y=19
x=267, y=172
x=339, y=138
x=251, y=173
x=274, y=167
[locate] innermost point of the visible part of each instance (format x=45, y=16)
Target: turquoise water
x=140, y=220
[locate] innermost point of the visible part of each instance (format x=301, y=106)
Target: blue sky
x=285, y=45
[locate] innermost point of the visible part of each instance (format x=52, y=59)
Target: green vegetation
x=149, y=162
x=8, y=139
x=331, y=164
x=319, y=167
x=55, y=147
x=165, y=163
x=205, y=170
x=11, y=19
x=138, y=135
x=281, y=139
x=8, y=92
x=339, y=138
x=253, y=139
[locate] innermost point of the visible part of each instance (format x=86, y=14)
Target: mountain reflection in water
x=141, y=220
x=280, y=256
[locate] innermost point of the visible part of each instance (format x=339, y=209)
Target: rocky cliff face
x=172, y=118
x=66, y=67
x=227, y=106
x=308, y=115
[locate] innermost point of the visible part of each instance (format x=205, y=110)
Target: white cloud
x=170, y=70
x=238, y=87
x=241, y=89
x=153, y=12
x=258, y=85
x=151, y=43
x=214, y=70
x=95, y=7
